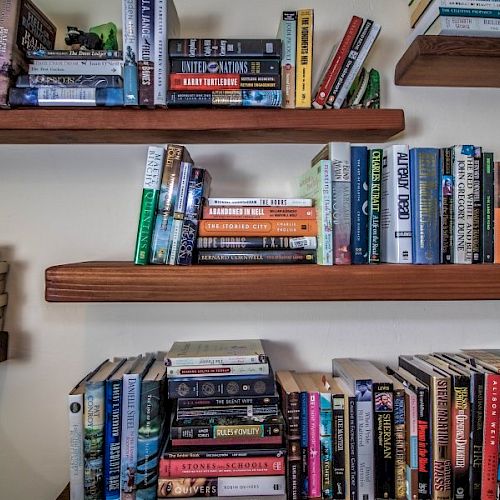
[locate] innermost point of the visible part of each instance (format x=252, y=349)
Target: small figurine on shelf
x=78, y=39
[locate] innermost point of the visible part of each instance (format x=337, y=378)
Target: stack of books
x=257, y=231
x=454, y=17
x=226, y=435
x=172, y=199
x=225, y=72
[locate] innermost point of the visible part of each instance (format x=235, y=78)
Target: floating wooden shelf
x=136, y=126
x=450, y=61
x=126, y=282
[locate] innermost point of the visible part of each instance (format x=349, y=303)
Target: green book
x=150, y=193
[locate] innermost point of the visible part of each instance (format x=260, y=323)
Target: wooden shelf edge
x=124, y=282
x=117, y=126
x=450, y=61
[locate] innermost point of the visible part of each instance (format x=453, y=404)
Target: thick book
x=257, y=242
x=395, y=214
x=236, y=487
x=265, y=202
x=424, y=182
x=24, y=81
x=252, y=98
x=287, y=33
x=225, y=402
x=487, y=196
x=146, y=30
x=477, y=227
x=257, y=227
x=225, y=47
x=150, y=193
x=316, y=183
x=304, y=59
x=218, y=370
x=130, y=45
x=374, y=204
x=256, y=212
x=226, y=81
x=245, y=65
x=171, y=452
x=359, y=205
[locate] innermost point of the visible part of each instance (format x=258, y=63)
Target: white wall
x=62, y=204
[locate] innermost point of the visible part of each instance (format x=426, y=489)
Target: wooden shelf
x=450, y=61
x=126, y=282
x=120, y=126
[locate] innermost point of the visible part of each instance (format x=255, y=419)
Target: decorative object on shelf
x=78, y=39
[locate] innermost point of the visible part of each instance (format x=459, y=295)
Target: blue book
x=466, y=12
x=52, y=95
x=424, y=181
x=359, y=205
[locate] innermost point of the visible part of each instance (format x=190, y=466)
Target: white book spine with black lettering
x=395, y=216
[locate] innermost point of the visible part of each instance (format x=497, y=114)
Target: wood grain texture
x=143, y=126
x=125, y=282
x=4, y=346
x=450, y=61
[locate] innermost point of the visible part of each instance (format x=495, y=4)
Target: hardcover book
x=288, y=34
x=304, y=61
x=256, y=242
x=257, y=227
x=374, y=204
x=359, y=205
x=210, y=48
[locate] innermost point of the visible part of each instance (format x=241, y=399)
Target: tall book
x=359, y=205
x=487, y=196
x=395, y=215
x=287, y=32
x=477, y=227
x=149, y=202
x=446, y=204
x=94, y=419
x=374, y=204
x=424, y=181
x=130, y=52
x=304, y=62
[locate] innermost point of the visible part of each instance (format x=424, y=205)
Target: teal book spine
x=149, y=202
x=326, y=447
x=461, y=12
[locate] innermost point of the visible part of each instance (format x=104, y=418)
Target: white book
x=76, y=456
x=218, y=370
x=463, y=204
x=76, y=67
x=395, y=216
x=264, y=202
x=465, y=26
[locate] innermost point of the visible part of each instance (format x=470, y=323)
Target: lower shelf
x=126, y=282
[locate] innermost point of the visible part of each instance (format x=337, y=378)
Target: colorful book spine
x=395, y=214
x=487, y=196
x=424, y=443
x=340, y=433
x=326, y=446
x=359, y=205
x=288, y=35
x=424, y=182
x=303, y=66
x=446, y=205
x=337, y=62
x=304, y=441
x=313, y=456
x=249, y=257
x=468, y=12
x=210, y=48
x=477, y=394
x=374, y=204
x=66, y=96
x=340, y=158
x=265, y=202
x=145, y=51
x=463, y=201
x=231, y=98
x=235, y=212
x=76, y=67
x=149, y=202
x=477, y=208
x=400, y=450
x=227, y=81
x=352, y=485
x=215, y=66
x=255, y=242
x=256, y=227
x=76, y=440
x=130, y=53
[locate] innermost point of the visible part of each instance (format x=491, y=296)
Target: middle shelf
x=126, y=282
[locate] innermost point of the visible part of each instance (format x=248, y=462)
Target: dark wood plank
x=125, y=282
x=4, y=346
x=450, y=61
x=118, y=126
x=64, y=494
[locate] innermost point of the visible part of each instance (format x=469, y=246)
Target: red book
x=204, y=81
x=216, y=467
x=336, y=64
x=248, y=212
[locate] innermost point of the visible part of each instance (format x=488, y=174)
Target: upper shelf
x=126, y=282
x=450, y=61
x=144, y=126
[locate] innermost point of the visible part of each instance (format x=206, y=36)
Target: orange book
x=496, y=205
x=258, y=212
x=258, y=227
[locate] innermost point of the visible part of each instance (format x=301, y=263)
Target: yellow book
x=303, y=81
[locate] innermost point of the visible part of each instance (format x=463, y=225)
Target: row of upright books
x=454, y=18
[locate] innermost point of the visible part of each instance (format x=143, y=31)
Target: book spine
x=227, y=401
x=341, y=202
x=400, y=419
x=313, y=456
x=34, y=29
x=235, y=212
x=112, y=437
x=476, y=214
x=208, y=453
x=335, y=66
x=255, y=227
x=130, y=52
x=446, y=205
x=356, y=66
x=424, y=444
x=468, y=12
x=303, y=78
x=339, y=451
x=304, y=441
x=214, y=360
x=359, y=205
x=68, y=55
x=469, y=26
x=76, y=454
x=424, y=181
x=374, y=205
x=254, y=242
x=229, y=411
x=228, y=81
x=463, y=174
x=217, y=66
x=66, y=96
x=353, y=449
x=231, y=98
x=384, y=462
x=24, y=81
x=253, y=486
x=145, y=51
x=224, y=48
x=252, y=385
x=349, y=62
x=217, y=371
x=160, y=65
x=149, y=202
x=75, y=67
x=326, y=446
x=93, y=440
x=487, y=195
x=130, y=423
x=477, y=430
x=288, y=36
x=490, y=439
x=395, y=214
x=148, y=438
x=236, y=441
x=265, y=202
x=221, y=467
x=411, y=411
x=496, y=212
x=256, y=257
